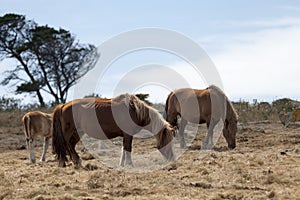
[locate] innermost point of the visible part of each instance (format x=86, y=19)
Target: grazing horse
x=208, y=106
x=122, y=116
x=37, y=123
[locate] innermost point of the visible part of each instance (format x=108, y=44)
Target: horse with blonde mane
x=209, y=106
x=123, y=116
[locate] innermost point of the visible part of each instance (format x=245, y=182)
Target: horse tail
x=26, y=125
x=174, y=123
x=167, y=106
x=58, y=141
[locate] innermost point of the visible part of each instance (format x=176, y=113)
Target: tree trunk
x=41, y=99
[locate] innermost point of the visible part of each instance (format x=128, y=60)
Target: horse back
x=93, y=116
x=191, y=104
x=37, y=123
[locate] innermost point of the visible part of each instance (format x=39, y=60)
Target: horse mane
x=231, y=113
x=121, y=97
x=143, y=111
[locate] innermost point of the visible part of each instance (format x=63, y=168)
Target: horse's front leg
x=122, y=160
x=126, y=151
x=208, y=140
x=45, y=147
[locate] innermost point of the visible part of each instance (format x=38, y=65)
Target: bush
x=10, y=103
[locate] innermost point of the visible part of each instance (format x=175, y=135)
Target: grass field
x=265, y=165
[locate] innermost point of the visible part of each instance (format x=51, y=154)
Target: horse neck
x=156, y=121
x=231, y=114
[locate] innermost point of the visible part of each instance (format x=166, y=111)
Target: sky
x=254, y=45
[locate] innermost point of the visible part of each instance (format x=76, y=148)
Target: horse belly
x=101, y=132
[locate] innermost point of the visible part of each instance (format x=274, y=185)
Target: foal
x=37, y=123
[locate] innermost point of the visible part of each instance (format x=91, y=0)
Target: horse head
x=229, y=132
x=165, y=142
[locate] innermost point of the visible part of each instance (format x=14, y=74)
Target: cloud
x=262, y=64
x=154, y=79
x=264, y=24
x=291, y=8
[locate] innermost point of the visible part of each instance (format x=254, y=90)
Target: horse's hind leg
x=45, y=147
x=73, y=154
x=126, y=151
x=181, y=133
x=30, y=146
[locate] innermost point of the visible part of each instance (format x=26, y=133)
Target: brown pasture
x=264, y=165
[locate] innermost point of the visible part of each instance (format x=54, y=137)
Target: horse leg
x=62, y=160
x=208, y=140
x=126, y=151
x=45, y=147
x=73, y=154
x=67, y=138
x=30, y=146
x=122, y=160
x=181, y=133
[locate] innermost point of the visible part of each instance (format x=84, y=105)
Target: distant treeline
x=257, y=111
x=279, y=105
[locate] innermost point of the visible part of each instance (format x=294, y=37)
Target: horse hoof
x=62, y=165
x=77, y=166
x=182, y=145
x=127, y=165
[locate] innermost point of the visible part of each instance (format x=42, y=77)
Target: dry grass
x=263, y=166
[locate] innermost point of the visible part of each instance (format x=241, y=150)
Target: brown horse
x=208, y=106
x=35, y=124
x=102, y=119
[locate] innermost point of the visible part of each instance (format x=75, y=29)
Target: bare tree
x=53, y=60
x=14, y=32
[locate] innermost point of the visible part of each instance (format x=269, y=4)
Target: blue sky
x=255, y=45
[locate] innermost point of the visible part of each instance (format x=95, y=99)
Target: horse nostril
x=231, y=146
